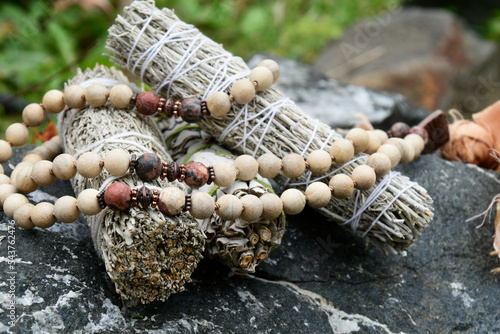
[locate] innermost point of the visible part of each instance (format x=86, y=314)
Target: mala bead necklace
x=172, y=201
x=147, y=103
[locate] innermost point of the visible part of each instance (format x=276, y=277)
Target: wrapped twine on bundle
x=177, y=60
x=147, y=255
x=238, y=244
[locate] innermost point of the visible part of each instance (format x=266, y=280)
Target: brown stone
x=191, y=110
x=425, y=54
x=196, y=175
x=148, y=167
x=118, y=196
x=147, y=103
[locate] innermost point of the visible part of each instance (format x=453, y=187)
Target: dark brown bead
x=148, y=167
x=133, y=163
x=187, y=201
x=190, y=110
x=118, y=196
x=196, y=175
x=147, y=103
x=144, y=197
x=169, y=107
x=211, y=174
x=173, y=171
x=418, y=130
x=436, y=126
x=399, y=130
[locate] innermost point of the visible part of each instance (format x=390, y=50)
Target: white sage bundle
x=147, y=255
x=177, y=60
x=238, y=244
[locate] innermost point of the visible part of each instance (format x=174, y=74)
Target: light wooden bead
x=12, y=202
x=66, y=209
x=17, y=134
x=54, y=148
x=41, y=173
x=247, y=166
x=225, y=174
x=202, y=205
x=53, y=101
x=359, y=138
x=89, y=164
x=342, y=186
x=398, y=142
x=33, y=115
x=243, y=91
x=272, y=206
x=21, y=178
x=120, y=96
x=6, y=189
x=319, y=162
x=392, y=153
x=252, y=208
x=364, y=177
x=57, y=140
x=5, y=151
x=293, y=165
x=22, y=216
x=1, y=169
x=294, y=201
x=117, y=162
x=4, y=179
x=64, y=166
x=263, y=76
x=269, y=165
x=373, y=144
x=382, y=135
x=96, y=95
x=408, y=153
x=342, y=150
x=74, y=96
x=380, y=163
x=318, y=194
x=230, y=207
x=32, y=158
x=273, y=67
x=42, y=215
x=218, y=103
x=417, y=142
x=87, y=202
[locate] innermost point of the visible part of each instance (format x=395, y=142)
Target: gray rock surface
x=321, y=280
x=337, y=104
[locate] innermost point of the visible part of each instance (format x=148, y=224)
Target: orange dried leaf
x=49, y=132
x=489, y=119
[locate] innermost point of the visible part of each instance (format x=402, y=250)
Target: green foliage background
x=42, y=42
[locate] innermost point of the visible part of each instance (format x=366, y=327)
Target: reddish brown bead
x=399, y=130
x=196, y=175
x=118, y=196
x=147, y=103
x=148, y=167
x=190, y=110
x=419, y=130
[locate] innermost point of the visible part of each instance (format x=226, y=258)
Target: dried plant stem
x=147, y=256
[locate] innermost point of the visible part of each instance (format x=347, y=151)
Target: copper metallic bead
x=144, y=197
x=118, y=196
x=168, y=109
x=399, y=130
x=149, y=167
x=190, y=110
x=196, y=175
x=173, y=171
x=147, y=103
